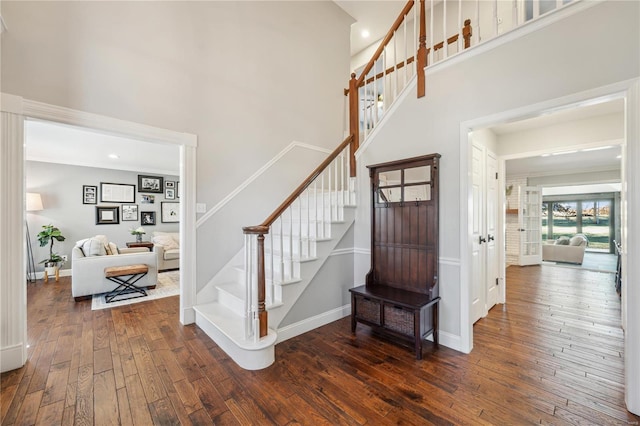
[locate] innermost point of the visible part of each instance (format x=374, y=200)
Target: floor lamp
x=34, y=204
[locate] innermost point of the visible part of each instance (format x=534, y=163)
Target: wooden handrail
x=466, y=35
x=385, y=41
x=263, y=228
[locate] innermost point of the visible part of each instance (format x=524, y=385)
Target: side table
x=145, y=244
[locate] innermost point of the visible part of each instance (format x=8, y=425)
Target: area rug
x=168, y=285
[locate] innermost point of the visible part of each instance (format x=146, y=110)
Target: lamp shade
x=34, y=202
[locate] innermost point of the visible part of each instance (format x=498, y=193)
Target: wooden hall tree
x=400, y=297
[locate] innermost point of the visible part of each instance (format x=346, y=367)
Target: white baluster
x=299, y=201
x=375, y=94
x=342, y=174
x=477, y=29
x=308, y=223
x=536, y=8
x=281, y=248
x=322, y=200
x=290, y=258
x=334, y=200
x=460, y=24
x=395, y=66
x=247, y=283
x=272, y=274
x=406, y=55
x=387, y=98
x=432, y=55
x=445, y=45
x=315, y=206
x=495, y=17
x=514, y=14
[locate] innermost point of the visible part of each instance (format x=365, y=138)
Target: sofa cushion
x=562, y=241
x=171, y=254
x=93, y=247
x=166, y=241
x=577, y=240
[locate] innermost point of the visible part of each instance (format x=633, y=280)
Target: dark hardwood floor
x=552, y=355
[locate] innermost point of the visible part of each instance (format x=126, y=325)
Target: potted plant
x=48, y=235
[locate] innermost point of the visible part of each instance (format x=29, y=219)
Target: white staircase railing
x=274, y=249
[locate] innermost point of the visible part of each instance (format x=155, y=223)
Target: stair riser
x=232, y=302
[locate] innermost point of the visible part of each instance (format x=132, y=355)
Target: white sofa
x=166, y=246
x=87, y=268
x=567, y=250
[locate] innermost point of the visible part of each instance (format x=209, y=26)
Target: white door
x=491, y=282
x=478, y=291
x=530, y=225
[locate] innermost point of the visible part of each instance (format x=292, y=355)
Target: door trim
x=630, y=91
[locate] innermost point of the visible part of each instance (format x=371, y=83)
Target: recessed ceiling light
x=365, y=33
x=114, y=156
x=598, y=148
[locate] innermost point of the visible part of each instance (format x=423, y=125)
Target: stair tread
x=232, y=325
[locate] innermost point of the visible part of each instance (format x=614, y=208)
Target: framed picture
x=117, y=193
x=169, y=212
x=152, y=184
x=107, y=215
x=169, y=184
x=147, y=199
x=129, y=212
x=170, y=194
x=148, y=218
x=89, y=194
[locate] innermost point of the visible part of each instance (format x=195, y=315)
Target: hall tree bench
x=400, y=298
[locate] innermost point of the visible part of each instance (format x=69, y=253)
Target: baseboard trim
x=12, y=357
x=301, y=327
x=188, y=316
x=451, y=341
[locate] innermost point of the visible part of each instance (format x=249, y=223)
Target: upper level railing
x=406, y=50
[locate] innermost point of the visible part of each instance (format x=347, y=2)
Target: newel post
x=467, y=32
x=354, y=126
x=259, y=232
x=262, y=311
x=422, y=52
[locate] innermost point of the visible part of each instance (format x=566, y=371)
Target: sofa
x=92, y=255
x=565, y=249
x=166, y=246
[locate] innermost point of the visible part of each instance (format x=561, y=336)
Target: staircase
x=284, y=253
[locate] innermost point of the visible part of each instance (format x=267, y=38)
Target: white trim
x=13, y=289
x=109, y=125
x=255, y=176
x=10, y=103
x=188, y=246
x=631, y=249
x=563, y=148
x=449, y=261
x=11, y=357
x=343, y=251
x=308, y=324
x=188, y=144
x=358, y=250
x=628, y=90
x=451, y=341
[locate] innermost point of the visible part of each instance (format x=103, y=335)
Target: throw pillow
x=562, y=241
x=111, y=249
x=93, y=247
x=165, y=241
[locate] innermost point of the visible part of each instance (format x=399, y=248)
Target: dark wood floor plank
x=553, y=354
x=106, y=409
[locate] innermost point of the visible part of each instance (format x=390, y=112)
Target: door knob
x=481, y=240
x=490, y=237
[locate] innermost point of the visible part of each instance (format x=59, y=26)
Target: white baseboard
x=188, y=316
x=12, y=357
x=451, y=341
x=298, y=328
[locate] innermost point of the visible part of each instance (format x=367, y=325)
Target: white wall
x=247, y=78
x=60, y=187
x=551, y=63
